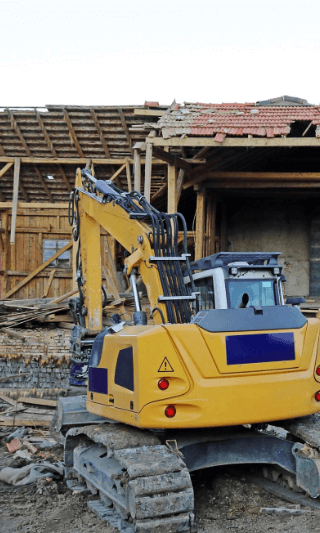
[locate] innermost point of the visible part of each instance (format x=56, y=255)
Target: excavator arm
x=150, y=238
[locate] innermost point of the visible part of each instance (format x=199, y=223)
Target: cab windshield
x=251, y=292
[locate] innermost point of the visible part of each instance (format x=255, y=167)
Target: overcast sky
x=110, y=53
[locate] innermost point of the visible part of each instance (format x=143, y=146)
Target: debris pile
x=32, y=412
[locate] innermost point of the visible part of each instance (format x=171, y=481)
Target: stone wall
x=44, y=357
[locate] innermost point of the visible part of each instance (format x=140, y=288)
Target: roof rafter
x=99, y=130
x=126, y=129
x=64, y=177
x=15, y=127
x=45, y=134
x=72, y=132
x=43, y=183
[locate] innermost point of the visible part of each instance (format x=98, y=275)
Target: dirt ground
x=224, y=501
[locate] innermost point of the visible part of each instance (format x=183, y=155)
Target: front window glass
x=247, y=292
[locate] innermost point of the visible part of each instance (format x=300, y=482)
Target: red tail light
x=318, y=370
x=317, y=396
x=170, y=411
x=163, y=383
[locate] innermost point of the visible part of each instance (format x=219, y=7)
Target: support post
x=172, y=189
x=200, y=223
x=137, y=170
x=148, y=171
x=16, y=177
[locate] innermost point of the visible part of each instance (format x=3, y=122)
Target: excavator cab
x=237, y=280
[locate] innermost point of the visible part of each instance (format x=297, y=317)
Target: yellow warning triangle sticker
x=165, y=366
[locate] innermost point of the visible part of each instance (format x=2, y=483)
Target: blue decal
x=98, y=380
x=260, y=348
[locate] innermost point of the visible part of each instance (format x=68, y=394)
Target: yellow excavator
x=224, y=357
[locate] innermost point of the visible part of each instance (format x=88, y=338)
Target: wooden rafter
x=99, y=130
x=46, y=135
x=23, y=191
x=74, y=160
x=128, y=172
x=116, y=174
x=15, y=127
x=43, y=183
x=126, y=129
x=64, y=177
x=2, y=152
x=160, y=192
x=4, y=169
x=72, y=132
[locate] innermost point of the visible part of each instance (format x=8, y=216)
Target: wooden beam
x=160, y=192
x=43, y=183
x=45, y=134
x=100, y=132
x=116, y=174
x=5, y=168
x=200, y=216
x=126, y=130
x=64, y=177
x=147, y=172
x=15, y=127
x=172, y=205
x=23, y=191
x=129, y=182
x=240, y=141
x=180, y=179
x=291, y=176
x=201, y=153
x=35, y=205
x=38, y=269
x=2, y=198
x=74, y=160
x=72, y=132
x=2, y=152
x=236, y=184
x=48, y=284
x=137, y=170
x=172, y=159
x=149, y=112
x=16, y=178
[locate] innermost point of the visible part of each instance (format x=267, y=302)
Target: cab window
x=259, y=292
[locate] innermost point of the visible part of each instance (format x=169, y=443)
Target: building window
x=50, y=247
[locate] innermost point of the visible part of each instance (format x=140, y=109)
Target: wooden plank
x=39, y=269
x=64, y=296
x=5, y=168
x=8, y=400
x=26, y=420
x=48, y=284
x=72, y=132
x=35, y=205
x=128, y=175
x=235, y=184
x=172, y=204
x=116, y=174
x=14, y=376
x=200, y=213
x=16, y=178
x=240, y=141
x=137, y=170
x=14, y=334
x=147, y=172
x=100, y=132
x=38, y=401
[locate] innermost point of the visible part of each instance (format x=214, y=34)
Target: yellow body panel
x=203, y=389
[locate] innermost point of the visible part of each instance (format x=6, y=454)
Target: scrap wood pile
x=29, y=312
x=26, y=411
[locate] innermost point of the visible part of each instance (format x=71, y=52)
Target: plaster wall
x=260, y=225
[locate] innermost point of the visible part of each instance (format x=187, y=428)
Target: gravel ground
x=224, y=501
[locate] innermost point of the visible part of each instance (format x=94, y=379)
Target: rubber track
x=155, y=482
